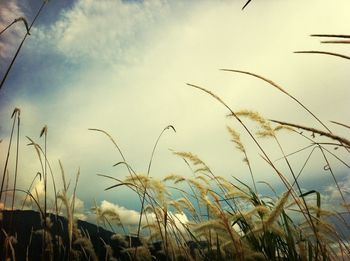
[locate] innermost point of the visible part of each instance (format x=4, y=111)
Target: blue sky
x=122, y=66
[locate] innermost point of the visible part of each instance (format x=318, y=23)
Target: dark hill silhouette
x=24, y=225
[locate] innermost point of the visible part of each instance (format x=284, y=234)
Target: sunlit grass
x=226, y=219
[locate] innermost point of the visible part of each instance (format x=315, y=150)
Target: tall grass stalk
x=284, y=180
x=246, y=4
x=74, y=191
x=19, y=19
x=40, y=151
x=340, y=139
x=239, y=145
x=341, y=124
x=44, y=133
x=7, y=188
x=282, y=90
x=331, y=35
x=132, y=173
x=15, y=118
x=326, y=53
x=17, y=157
x=21, y=44
x=143, y=186
x=35, y=199
x=45, y=228
x=266, y=157
x=148, y=172
x=38, y=174
x=17, y=114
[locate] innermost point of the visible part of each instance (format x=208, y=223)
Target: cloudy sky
x=122, y=66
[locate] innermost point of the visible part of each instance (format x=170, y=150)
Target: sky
x=122, y=66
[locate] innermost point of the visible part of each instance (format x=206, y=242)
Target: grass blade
x=326, y=53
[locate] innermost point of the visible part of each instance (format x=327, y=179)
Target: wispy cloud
x=105, y=31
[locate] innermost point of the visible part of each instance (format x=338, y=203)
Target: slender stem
x=313, y=130
x=265, y=156
x=303, y=199
x=145, y=187
x=336, y=42
x=45, y=174
x=20, y=46
x=245, y=5
x=17, y=115
x=17, y=156
x=7, y=186
x=331, y=35
x=30, y=187
x=148, y=172
x=7, y=159
x=282, y=90
x=32, y=197
x=327, y=53
x=7, y=27
x=44, y=132
x=15, y=21
x=341, y=124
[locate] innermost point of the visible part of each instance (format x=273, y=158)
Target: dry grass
x=228, y=219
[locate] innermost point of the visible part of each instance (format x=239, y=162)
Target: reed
x=225, y=219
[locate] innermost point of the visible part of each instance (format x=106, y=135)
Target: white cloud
x=35, y=198
x=130, y=218
x=332, y=194
x=107, y=31
x=38, y=192
x=79, y=209
x=127, y=216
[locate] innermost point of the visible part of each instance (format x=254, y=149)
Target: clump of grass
x=265, y=232
x=229, y=220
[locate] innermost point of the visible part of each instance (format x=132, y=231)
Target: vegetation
x=228, y=219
